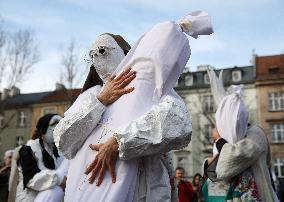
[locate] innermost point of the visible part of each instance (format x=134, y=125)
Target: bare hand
x=105, y=160
x=115, y=87
x=215, y=134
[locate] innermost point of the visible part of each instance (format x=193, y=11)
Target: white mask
x=48, y=137
x=106, y=55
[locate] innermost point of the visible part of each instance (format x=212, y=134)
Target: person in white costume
x=42, y=169
x=139, y=127
x=242, y=149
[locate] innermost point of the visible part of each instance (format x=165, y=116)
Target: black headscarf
x=93, y=78
x=41, y=129
x=43, y=123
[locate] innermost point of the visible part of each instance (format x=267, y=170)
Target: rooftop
x=200, y=79
x=25, y=100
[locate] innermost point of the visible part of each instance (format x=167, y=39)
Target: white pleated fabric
x=159, y=58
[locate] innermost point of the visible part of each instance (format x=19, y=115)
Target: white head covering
x=106, y=62
x=232, y=115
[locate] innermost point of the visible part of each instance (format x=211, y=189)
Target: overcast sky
x=240, y=26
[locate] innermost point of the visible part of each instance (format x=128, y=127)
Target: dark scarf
x=93, y=78
x=42, y=126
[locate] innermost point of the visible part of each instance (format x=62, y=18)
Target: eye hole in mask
x=101, y=51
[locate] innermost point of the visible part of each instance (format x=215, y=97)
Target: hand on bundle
x=105, y=160
x=115, y=87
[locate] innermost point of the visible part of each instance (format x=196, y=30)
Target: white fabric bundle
x=232, y=115
x=159, y=58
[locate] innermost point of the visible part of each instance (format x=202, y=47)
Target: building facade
x=16, y=120
x=194, y=88
x=56, y=102
x=270, y=101
x=20, y=113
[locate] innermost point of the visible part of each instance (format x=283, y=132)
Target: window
x=19, y=141
x=22, y=119
x=206, y=79
x=188, y=80
x=279, y=167
x=276, y=101
x=208, y=103
x=277, y=131
x=1, y=121
x=274, y=70
x=236, y=75
x=49, y=110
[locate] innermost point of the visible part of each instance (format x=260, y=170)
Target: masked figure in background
x=140, y=127
x=42, y=169
x=242, y=153
x=5, y=171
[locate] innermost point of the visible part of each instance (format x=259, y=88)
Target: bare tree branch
x=18, y=55
x=22, y=55
x=3, y=40
x=72, y=69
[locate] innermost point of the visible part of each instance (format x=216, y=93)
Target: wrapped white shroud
x=159, y=58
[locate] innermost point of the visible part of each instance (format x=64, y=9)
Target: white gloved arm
x=44, y=180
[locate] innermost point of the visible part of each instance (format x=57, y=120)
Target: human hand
x=105, y=160
x=115, y=87
x=215, y=135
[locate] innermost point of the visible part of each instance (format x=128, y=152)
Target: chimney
x=5, y=94
x=14, y=91
x=59, y=86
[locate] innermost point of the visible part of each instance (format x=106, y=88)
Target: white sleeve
x=44, y=180
x=79, y=121
x=47, y=179
x=235, y=158
x=165, y=127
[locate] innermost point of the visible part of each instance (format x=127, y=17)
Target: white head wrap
x=231, y=115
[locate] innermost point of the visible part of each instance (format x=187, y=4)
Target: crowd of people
x=114, y=143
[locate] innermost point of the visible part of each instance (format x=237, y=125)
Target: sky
x=241, y=27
